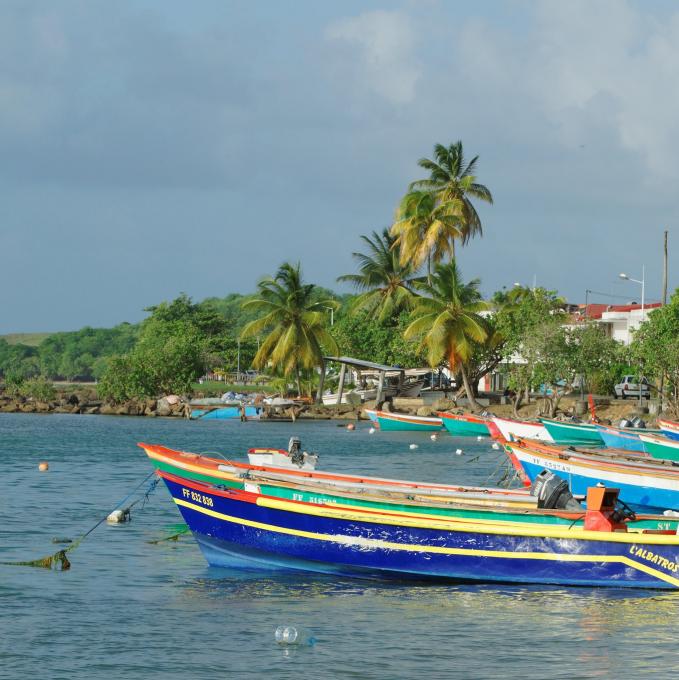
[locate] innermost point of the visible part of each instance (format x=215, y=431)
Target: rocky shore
x=85, y=401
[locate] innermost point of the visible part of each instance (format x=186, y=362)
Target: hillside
x=29, y=339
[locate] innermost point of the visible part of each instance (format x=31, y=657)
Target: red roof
x=594, y=311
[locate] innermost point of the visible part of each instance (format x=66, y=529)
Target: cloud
x=585, y=67
x=384, y=60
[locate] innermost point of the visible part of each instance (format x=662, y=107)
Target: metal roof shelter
x=357, y=363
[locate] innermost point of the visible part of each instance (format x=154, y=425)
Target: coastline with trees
x=411, y=307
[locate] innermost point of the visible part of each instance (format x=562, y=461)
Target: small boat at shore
x=401, y=422
x=465, y=424
x=521, y=429
x=246, y=528
x=647, y=484
x=660, y=447
x=232, y=412
x=623, y=437
x=570, y=432
x=669, y=428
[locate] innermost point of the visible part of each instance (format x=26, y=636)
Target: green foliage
x=386, y=283
x=172, y=352
x=292, y=319
x=452, y=180
x=447, y=322
x=363, y=336
x=655, y=349
x=39, y=389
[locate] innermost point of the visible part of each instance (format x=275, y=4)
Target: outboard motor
x=638, y=422
x=295, y=451
x=626, y=423
x=552, y=493
x=603, y=513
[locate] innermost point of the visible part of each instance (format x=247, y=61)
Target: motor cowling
x=553, y=493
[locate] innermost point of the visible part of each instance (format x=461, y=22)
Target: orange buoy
x=351, y=427
x=43, y=466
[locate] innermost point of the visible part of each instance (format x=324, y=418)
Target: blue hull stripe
x=235, y=531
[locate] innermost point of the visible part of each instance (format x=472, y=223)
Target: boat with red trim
x=401, y=422
x=241, y=528
x=465, y=424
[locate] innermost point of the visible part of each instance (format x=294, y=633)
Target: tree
x=656, y=349
x=453, y=180
x=447, y=321
x=518, y=315
x=426, y=229
x=386, y=282
x=294, y=321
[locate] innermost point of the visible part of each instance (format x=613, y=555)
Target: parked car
x=629, y=387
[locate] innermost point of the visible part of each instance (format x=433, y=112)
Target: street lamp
x=643, y=289
x=643, y=286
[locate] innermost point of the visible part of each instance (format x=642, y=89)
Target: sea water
x=130, y=608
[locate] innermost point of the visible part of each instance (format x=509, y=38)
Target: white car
x=629, y=387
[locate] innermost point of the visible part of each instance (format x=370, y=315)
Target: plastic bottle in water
x=292, y=635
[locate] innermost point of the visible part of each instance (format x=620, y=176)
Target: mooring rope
x=59, y=560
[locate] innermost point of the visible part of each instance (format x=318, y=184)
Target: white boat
x=524, y=429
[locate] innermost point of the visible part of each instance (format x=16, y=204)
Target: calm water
x=131, y=609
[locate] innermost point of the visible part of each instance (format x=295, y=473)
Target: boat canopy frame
x=380, y=369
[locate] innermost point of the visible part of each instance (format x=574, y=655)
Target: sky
x=149, y=148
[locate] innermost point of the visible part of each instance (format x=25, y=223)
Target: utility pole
x=664, y=272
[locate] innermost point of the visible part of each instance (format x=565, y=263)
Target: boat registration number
x=197, y=497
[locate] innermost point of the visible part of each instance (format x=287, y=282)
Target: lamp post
x=643, y=300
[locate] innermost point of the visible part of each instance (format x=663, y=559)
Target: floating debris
x=458, y=452
x=43, y=466
x=371, y=430
x=413, y=447
x=434, y=437
x=291, y=635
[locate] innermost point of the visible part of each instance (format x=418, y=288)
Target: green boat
x=658, y=446
x=563, y=432
x=401, y=422
x=465, y=424
x=518, y=509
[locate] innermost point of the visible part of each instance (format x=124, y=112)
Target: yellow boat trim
x=537, y=531
x=441, y=550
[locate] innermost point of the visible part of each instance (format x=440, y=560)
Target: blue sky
x=153, y=147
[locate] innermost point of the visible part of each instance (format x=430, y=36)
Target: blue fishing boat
x=227, y=413
x=622, y=438
x=669, y=428
x=645, y=483
x=239, y=528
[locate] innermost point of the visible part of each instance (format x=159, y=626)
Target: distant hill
x=30, y=339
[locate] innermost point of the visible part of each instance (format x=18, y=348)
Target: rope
x=59, y=560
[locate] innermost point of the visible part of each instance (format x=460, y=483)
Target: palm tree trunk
x=468, y=388
x=299, y=382
x=429, y=269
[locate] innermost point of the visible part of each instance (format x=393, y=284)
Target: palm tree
x=426, y=228
x=387, y=284
x=447, y=321
x=451, y=178
x=294, y=319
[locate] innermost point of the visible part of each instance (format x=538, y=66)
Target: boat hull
x=669, y=428
x=500, y=511
x=464, y=425
x=397, y=422
x=227, y=413
x=582, y=434
x=619, y=438
x=241, y=529
x=647, y=489
x=661, y=447
x=518, y=429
